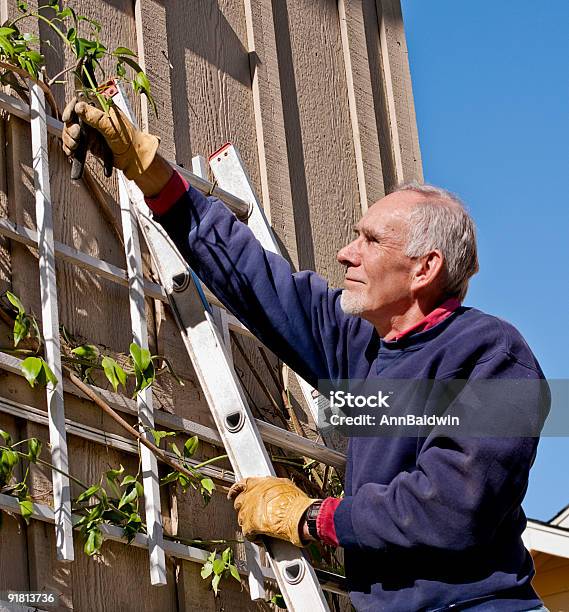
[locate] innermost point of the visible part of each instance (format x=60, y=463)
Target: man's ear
x=428, y=270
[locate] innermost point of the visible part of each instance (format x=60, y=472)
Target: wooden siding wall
x=552, y=581
x=317, y=97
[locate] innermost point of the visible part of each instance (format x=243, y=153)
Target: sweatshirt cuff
x=325, y=521
x=343, y=524
x=174, y=189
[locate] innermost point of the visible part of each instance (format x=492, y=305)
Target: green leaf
x=207, y=485
x=235, y=572
x=279, y=601
x=34, y=449
x=31, y=368
x=48, y=375
x=112, y=515
x=120, y=69
x=7, y=46
x=83, y=46
x=226, y=555
x=176, y=450
x=8, y=459
x=94, y=542
x=215, y=583
x=128, y=497
x=207, y=569
x=185, y=482
x=139, y=488
x=218, y=567
x=123, y=51
x=33, y=55
x=132, y=526
x=144, y=379
x=140, y=356
x=158, y=435
x=88, y=494
x=6, y=31
x=21, y=328
x=141, y=82
x=171, y=477
x=13, y=299
x=71, y=35
x=66, y=12
x=86, y=351
x=96, y=513
x=130, y=62
x=26, y=509
x=128, y=480
x=7, y=437
x=114, y=373
x=112, y=475
x=191, y=446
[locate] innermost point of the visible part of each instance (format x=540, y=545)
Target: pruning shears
x=86, y=133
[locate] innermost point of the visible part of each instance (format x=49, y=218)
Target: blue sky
x=491, y=86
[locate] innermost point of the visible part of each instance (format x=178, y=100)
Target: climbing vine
x=114, y=500
x=21, y=57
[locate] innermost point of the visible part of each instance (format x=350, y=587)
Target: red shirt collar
x=433, y=318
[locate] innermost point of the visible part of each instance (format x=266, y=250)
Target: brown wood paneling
x=553, y=579
x=320, y=148
x=201, y=66
x=558, y=602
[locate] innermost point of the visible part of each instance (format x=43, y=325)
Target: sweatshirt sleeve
x=296, y=315
x=462, y=486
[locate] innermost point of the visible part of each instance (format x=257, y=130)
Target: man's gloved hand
x=270, y=506
x=133, y=151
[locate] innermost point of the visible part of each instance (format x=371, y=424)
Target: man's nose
x=349, y=255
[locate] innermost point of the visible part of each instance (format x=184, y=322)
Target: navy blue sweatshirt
x=426, y=522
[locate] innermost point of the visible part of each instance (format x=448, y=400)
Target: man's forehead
x=391, y=212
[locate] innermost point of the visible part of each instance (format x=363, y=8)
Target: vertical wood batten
x=397, y=81
x=50, y=327
x=141, y=60
x=359, y=65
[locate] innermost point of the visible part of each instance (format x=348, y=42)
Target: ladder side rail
x=253, y=555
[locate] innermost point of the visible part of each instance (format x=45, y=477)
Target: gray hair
x=442, y=222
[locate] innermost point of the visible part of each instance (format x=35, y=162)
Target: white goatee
x=352, y=303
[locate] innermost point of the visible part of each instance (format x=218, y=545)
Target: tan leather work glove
x=270, y=506
x=133, y=151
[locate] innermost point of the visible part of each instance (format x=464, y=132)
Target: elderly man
x=428, y=522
